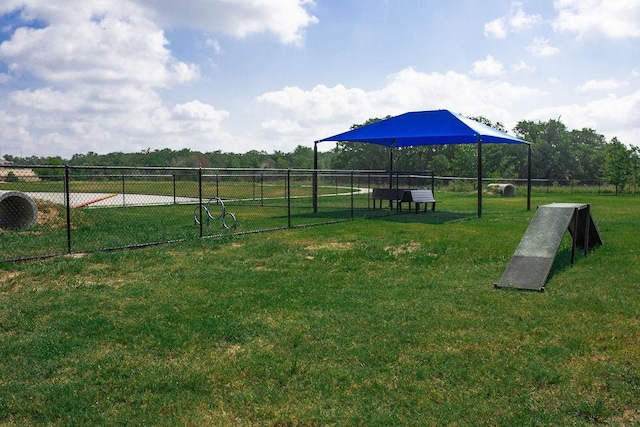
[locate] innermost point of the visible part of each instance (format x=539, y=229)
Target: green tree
x=618, y=166
x=51, y=173
x=552, y=156
x=587, y=147
x=635, y=167
x=11, y=177
x=300, y=158
x=358, y=155
x=464, y=162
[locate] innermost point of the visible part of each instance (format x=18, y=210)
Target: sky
x=238, y=75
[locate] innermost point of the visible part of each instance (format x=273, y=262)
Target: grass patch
x=383, y=321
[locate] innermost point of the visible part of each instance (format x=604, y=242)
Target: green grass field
x=381, y=321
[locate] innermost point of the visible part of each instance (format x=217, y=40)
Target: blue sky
x=239, y=75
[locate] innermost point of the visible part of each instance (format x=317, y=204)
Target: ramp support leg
x=587, y=227
x=574, y=234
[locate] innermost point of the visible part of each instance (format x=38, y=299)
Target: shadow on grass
x=563, y=260
x=438, y=217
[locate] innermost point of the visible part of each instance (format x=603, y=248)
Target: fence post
x=369, y=191
x=200, y=199
x=528, y=177
x=352, y=194
x=67, y=203
x=174, y=189
x=123, y=197
x=288, y=198
x=314, y=178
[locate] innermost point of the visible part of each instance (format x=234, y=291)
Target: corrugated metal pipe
x=507, y=190
x=17, y=210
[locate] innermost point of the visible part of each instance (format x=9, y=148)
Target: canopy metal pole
x=315, y=177
x=528, y=177
x=391, y=148
x=479, y=176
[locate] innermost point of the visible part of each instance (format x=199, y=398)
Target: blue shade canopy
x=426, y=128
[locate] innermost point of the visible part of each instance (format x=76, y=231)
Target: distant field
x=381, y=321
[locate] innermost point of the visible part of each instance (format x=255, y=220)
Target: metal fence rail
x=86, y=209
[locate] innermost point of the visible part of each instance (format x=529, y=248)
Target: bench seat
x=423, y=196
x=390, y=194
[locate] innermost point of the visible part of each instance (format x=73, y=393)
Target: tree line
x=558, y=154
x=300, y=158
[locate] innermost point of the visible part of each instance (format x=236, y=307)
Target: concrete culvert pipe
x=507, y=190
x=17, y=210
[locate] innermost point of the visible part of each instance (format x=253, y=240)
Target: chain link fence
x=54, y=210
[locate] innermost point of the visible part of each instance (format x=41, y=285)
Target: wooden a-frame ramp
x=531, y=264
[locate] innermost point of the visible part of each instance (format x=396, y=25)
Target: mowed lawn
x=386, y=321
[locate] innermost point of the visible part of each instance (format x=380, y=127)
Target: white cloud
x=296, y=115
x=95, y=69
x=489, y=67
x=181, y=72
x=14, y=129
x=79, y=48
x=199, y=117
x=283, y=126
x=214, y=44
x=5, y=78
x=516, y=20
x=292, y=116
x=613, y=19
x=522, y=66
x=320, y=104
x=541, y=47
x=612, y=116
x=98, y=68
x=519, y=20
x=496, y=29
x=287, y=19
x=46, y=99
x=117, y=118
x=600, y=85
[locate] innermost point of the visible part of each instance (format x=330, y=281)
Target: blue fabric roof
x=426, y=128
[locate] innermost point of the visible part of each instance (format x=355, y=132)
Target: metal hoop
x=224, y=221
x=218, y=202
x=223, y=213
x=196, y=215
